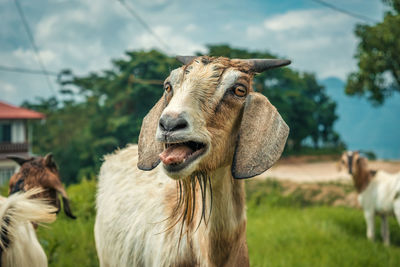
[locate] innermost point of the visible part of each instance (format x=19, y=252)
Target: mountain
x=363, y=126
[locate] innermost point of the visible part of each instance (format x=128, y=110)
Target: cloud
x=191, y=27
x=177, y=43
x=317, y=40
x=29, y=58
x=85, y=36
x=7, y=88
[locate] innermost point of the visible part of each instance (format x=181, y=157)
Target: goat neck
x=225, y=228
x=361, y=175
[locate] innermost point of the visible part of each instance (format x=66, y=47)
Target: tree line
x=101, y=112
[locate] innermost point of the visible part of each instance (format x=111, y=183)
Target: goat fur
x=150, y=216
x=378, y=193
x=41, y=172
x=19, y=244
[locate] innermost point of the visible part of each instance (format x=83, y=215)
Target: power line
x=32, y=41
x=132, y=79
x=28, y=71
x=349, y=13
x=144, y=24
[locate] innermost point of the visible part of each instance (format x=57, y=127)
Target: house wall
x=18, y=136
x=18, y=131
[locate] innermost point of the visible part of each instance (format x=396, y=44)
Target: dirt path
x=302, y=171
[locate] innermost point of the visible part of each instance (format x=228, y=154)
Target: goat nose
x=170, y=124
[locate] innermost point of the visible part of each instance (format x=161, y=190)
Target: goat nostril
x=161, y=123
x=170, y=124
x=181, y=125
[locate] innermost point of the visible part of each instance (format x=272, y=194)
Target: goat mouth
x=177, y=156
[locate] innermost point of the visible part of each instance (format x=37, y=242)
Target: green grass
x=70, y=242
x=281, y=231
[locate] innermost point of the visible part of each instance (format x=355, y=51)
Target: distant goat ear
x=18, y=160
x=148, y=148
x=50, y=162
x=261, y=140
x=48, y=159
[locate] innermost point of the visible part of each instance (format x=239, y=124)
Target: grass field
x=286, y=231
x=283, y=230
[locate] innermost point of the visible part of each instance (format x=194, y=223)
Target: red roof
x=8, y=111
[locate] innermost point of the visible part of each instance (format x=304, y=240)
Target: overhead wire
x=344, y=11
x=144, y=24
x=34, y=46
x=28, y=71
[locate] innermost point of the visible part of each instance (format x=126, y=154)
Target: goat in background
x=40, y=172
x=210, y=130
x=378, y=193
x=19, y=246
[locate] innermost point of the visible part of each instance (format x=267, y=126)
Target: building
x=15, y=136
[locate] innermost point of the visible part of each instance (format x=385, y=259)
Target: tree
x=378, y=56
x=301, y=101
x=104, y=111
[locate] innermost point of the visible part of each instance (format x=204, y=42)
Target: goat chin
x=20, y=246
x=144, y=234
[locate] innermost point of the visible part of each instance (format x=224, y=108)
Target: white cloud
x=28, y=57
x=317, y=40
x=85, y=36
x=7, y=87
x=191, y=28
x=8, y=92
x=302, y=19
x=178, y=43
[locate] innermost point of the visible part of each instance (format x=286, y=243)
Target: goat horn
x=261, y=65
x=185, y=59
x=18, y=160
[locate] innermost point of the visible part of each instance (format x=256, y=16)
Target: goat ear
x=61, y=190
x=148, y=148
x=50, y=162
x=48, y=159
x=261, y=140
x=67, y=208
x=18, y=160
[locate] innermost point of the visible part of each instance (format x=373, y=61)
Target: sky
x=86, y=35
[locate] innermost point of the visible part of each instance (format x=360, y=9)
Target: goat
x=378, y=193
x=210, y=130
x=40, y=172
x=19, y=246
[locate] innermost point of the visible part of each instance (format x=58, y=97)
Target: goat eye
x=168, y=88
x=240, y=90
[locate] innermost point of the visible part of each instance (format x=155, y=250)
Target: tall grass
x=284, y=231
x=281, y=231
x=70, y=242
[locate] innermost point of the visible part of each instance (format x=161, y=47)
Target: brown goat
x=40, y=172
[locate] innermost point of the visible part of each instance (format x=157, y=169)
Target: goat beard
x=185, y=209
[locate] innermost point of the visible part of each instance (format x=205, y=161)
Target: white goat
x=379, y=193
x=210, y=130
x=19, y=246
